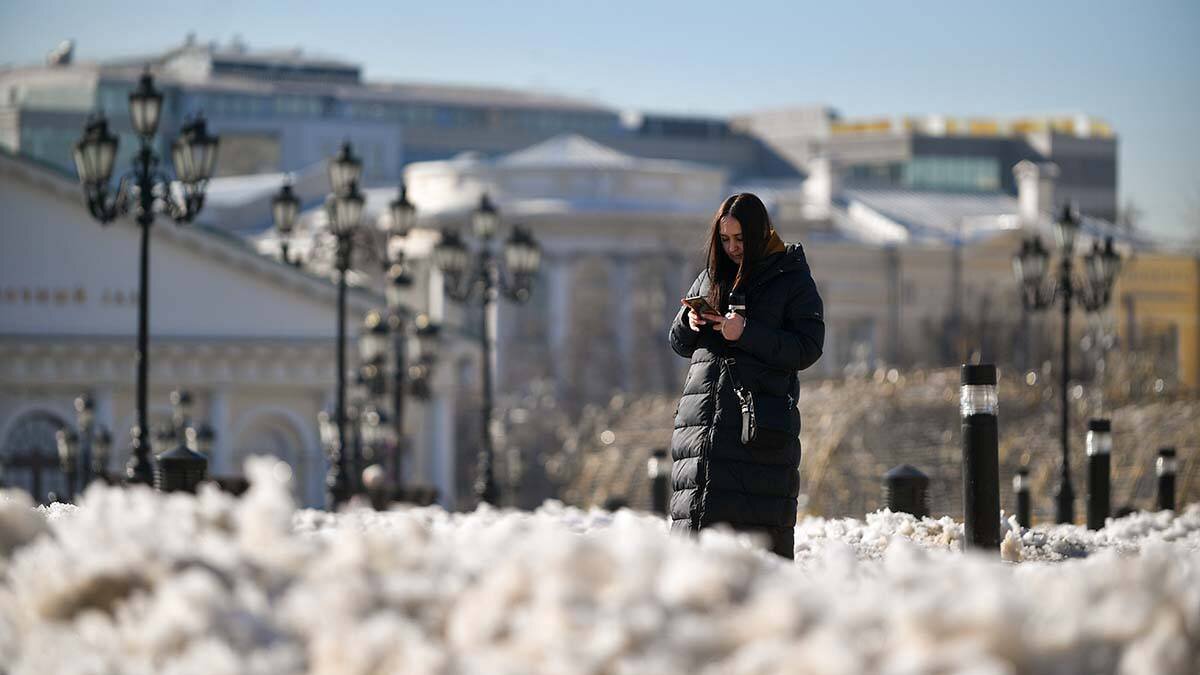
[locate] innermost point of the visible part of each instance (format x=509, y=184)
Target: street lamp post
x=100, y=451
x=85, y=416
x=522, y=259
x=145, y=190
x=285, y=207
x=343, y=210
x=68, y=457
x=1039, y=291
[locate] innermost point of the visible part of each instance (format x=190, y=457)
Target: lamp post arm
x=461, y=288
x=106, y=209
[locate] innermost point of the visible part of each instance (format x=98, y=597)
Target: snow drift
x=132, y=581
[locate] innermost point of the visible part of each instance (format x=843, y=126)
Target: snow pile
x=133, y=582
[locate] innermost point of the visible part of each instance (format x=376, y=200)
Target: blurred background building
x=910, y=224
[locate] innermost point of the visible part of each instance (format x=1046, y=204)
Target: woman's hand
x=698, y=321
x=731, y=325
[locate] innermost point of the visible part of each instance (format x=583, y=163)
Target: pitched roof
x=225, y=247
x=928, y=216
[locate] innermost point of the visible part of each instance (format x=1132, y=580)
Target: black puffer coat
x=714, y=478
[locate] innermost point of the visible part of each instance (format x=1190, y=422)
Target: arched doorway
x=270, y=432
x=29, y=456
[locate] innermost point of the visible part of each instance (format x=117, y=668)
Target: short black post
x=658, y=470
x=180, y=469
x=981, y=457
x=1099, y=488
x=1165, y=468
x=1021, y=492
x=906, y=490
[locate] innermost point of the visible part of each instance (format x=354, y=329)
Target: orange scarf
x=774, y=245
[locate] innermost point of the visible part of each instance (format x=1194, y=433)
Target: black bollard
x=179, y=469
x=1021, y=492
x=658, y=470
x=1099, y=488
x=1165, y=468
x=906, y=490
x=981, y=457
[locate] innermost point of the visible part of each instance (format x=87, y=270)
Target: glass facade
x=953, y=173
x=962, y=174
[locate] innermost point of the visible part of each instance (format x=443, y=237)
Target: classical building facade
x=251, y=338
x=908, y=276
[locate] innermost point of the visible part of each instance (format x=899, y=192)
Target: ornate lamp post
x=68, y=457
x=1039, y=291
x=343, y=210
x=285, y=207
x=402, y=325
x=181, y=411
x=464, y=277
x=145, y=190
x=101, y=447
x=85, y=417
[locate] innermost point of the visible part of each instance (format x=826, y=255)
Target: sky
x=1135, y=65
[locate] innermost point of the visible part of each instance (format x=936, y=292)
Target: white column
x=443, y=446
x=437, y=295
x=222, y=448
x=829, y=359
x=559, y=277
x=620, y=283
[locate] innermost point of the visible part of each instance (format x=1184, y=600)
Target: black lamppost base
x=139, y=469
x=1064, y=503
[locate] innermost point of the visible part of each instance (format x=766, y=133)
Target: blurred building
x=284, y=110
x=1158, y=303
x=937, y=152
x=252, y=339
x=909, y=276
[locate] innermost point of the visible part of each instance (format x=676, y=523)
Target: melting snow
x=132, y=581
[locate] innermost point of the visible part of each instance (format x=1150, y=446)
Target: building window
x=952, y=173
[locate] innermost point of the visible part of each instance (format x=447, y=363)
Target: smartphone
x=699, y=305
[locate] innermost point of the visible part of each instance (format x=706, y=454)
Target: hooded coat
x=714, y=478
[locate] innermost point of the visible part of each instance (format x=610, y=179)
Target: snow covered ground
x=135, y=582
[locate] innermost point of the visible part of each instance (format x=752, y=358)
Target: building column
x=439, y=447
x=221, y=462
x=829, y=356
x=895, y=295
x=678, y=280
x=559, y=279
x=620, y=284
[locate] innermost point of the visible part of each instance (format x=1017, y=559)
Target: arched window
x=29, y=456
x=271, y=434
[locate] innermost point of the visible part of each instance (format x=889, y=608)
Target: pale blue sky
x=1135, y=64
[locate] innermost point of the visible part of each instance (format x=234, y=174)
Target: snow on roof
x=577, y=151
x=897, y=215
x=567, y=150
x=237, y=190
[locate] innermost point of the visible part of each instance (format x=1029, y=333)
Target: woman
x=715, y=478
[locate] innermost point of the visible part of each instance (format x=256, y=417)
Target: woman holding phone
x=745, y=355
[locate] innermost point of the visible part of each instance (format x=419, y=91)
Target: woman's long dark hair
x=723, y=273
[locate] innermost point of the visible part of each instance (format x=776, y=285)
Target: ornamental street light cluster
x=362, y=430
x=1040, y=289
x=385, y=346
x=84, y=453
x=480, y=276
x=145, y=190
